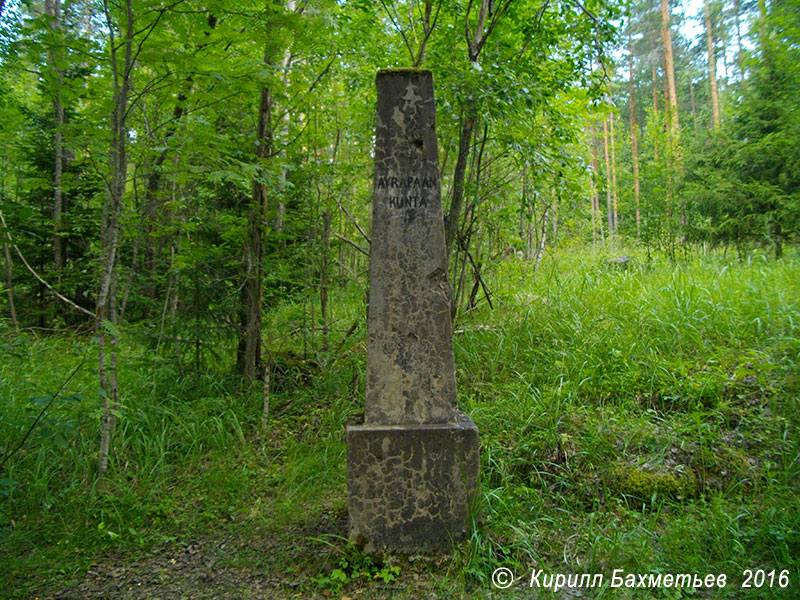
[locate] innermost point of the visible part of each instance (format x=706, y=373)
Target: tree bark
x=523, y=201
x=427, y=29
x=475, y=42
x=106, y=316
x=249, y=354
x=634, y=139
x=614, y=212
x=712, y=68
x=737, y=8
x=10, y=285
x=53, y=11
x=254, y=243
x=556, y=202
x=151, y=207
x=597, y=219
x=655, y=88
x=542, y=239
x=323, y=277
x=609, y=201
x=666, y=38
x=459, y=175
x=655, y=109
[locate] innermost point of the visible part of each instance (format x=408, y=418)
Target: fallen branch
x=37, y=276
x=352, y=243
x=354, y=222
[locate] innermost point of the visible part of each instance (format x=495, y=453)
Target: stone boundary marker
x=412, y=465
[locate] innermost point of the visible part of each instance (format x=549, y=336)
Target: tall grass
x=643, y=419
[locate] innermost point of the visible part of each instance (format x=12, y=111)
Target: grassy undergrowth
x=642, y=419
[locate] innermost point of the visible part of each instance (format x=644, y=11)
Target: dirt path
x=275, y=565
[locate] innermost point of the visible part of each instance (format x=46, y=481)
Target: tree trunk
x=597, y=220
x=323, y=277
x=106, y=316
x=475, y=42
x=762, y=24
x=10, y=285
x=609, y=202
x=249, y=351
x=712, y=67
x=151, y=205
x=254, y=244
x=737, y=8
x=614, y=212
x=634, y=139
x=694, y=108
x=459, y=175
x=666, y=38
x=655, y=109
x=152, y=208
x=777, y=237
x=542, y=239
x=556, y=202
x=655, y=88
x=53, y=11
x=523, y=202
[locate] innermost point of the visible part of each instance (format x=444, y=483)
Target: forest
x=185, y=206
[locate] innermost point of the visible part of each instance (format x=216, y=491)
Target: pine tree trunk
x=614, y=212
x=712, y=68
x=609, y=207
x=634, y=139
x=655, y=109
x=737, y=9
x=597, y=220
x=666, y=38
x=655, y=88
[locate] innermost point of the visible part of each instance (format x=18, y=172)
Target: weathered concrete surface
x=410, y=368
x=411, y=487
x=412, y=465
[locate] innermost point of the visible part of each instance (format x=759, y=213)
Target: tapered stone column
x=412, y=465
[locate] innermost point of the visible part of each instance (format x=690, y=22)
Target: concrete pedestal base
x=410, y=487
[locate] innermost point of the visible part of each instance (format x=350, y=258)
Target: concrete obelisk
x=412, y=466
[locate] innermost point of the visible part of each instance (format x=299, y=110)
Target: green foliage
x=353, y=567
x=633, y=418
x=642, y=419
x=745, y=182
x=601, y=392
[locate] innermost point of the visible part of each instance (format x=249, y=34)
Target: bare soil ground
x=257, y=565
